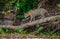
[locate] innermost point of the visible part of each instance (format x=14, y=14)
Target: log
x=55, y=23
x=30, y=24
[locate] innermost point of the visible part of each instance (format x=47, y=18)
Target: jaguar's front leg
x=31, y=19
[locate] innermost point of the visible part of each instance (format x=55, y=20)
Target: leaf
x=1, y=31
x=6, y=30
x=58, y=5
x=2, y=1
x=40, y=28
x=21, y=31
x=41, y=33
x=21, y=16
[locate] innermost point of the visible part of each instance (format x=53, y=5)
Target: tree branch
x=30, y=24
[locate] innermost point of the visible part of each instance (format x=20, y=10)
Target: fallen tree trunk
x=30, y=24
x=55, y=23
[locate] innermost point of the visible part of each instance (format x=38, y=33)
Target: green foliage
x=2, y=1
x=1, y=8
x=39, y=27
x=58, y=5
x=21, y=16
x=48, y=32
x=17, y=5
x=21, y=31
x=6, y=30
x=41, y=33
x=1, y=31
x=8, y=6
x=24, y=5
x=6, y=12
x=10, y=3
x=27, y=5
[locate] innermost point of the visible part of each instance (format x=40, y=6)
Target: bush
x=2, y=1
x=58, y=5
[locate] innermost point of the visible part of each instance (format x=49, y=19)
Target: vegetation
x=2, y=1
x=22, y=7
x=22, y=31
x=58, y=5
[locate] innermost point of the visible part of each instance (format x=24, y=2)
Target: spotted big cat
x=36, y=12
